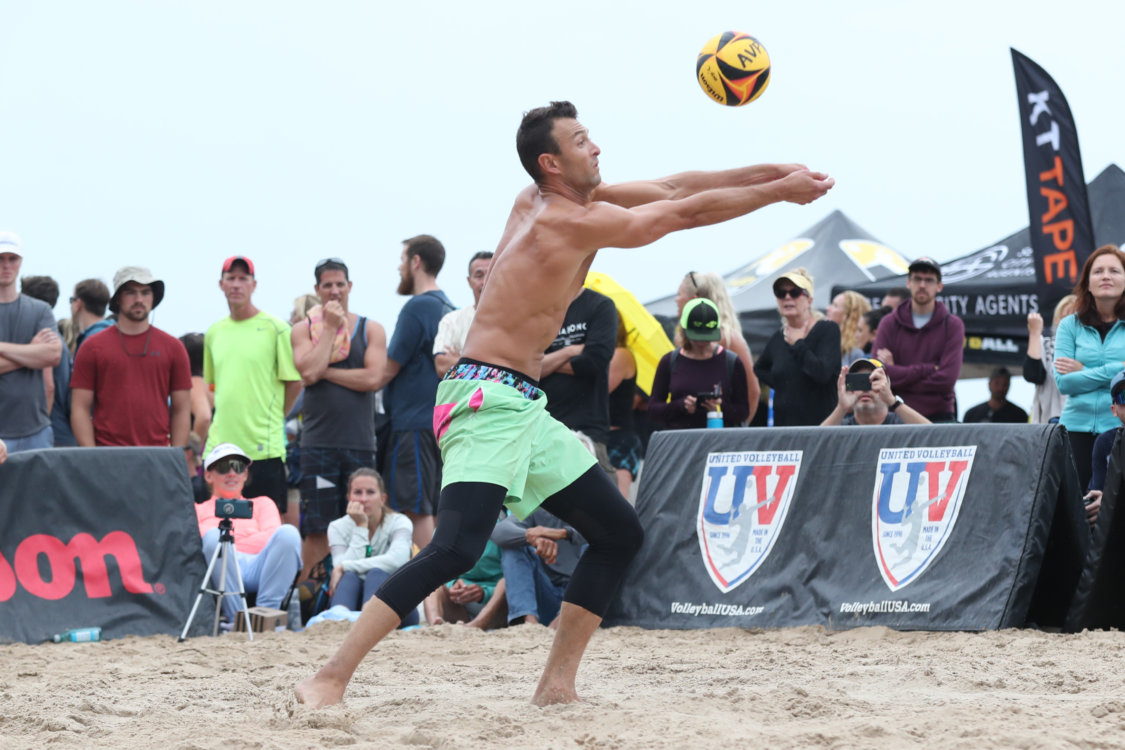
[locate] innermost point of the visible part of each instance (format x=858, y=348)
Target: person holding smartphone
x=864, y=397
x=700, y=377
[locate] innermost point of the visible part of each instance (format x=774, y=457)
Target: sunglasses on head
x=694, y=283
x=225, y=465
x=1119, y=398
x=325, y=261
x=792, y=292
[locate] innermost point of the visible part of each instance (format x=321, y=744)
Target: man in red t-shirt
x=125, y=376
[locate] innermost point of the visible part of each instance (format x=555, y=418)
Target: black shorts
x=324, y=484
x=267, y=478
x=413, y=472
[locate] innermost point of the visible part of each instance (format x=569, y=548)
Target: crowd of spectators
x=345, y=490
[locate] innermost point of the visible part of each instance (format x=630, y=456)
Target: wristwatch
x=898, y=402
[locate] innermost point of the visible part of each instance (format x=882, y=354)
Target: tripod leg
x=241, y=591
x=198, y=597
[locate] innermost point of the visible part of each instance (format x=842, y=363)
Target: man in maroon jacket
x=920, y=344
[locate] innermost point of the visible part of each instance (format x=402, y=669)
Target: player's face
x=237, y=286
x=478, y=270
x=365, y=490
x=578, y=155
x=334, y=287
x=9, y=268
x=135, y=301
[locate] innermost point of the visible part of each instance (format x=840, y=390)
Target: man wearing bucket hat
x=125, y=376
x=29, y=343
x=871, y=401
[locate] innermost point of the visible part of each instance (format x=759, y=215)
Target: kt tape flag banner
x=1062, y=235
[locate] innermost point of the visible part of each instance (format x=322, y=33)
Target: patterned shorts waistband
x=466, y=369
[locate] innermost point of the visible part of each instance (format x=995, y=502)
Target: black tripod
x=223, y=551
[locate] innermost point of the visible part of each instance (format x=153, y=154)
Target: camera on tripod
x=225, y=508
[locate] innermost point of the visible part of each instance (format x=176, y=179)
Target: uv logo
x=743, y=502
x=918, y=495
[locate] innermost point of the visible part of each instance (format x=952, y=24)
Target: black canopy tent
x=836, y=251
x=993, y=289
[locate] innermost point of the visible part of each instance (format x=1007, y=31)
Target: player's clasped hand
x=805, y=186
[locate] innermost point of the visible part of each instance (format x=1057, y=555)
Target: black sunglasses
x=224, y=465
x=792, y=292
x=694, y=284
x=1119, y=398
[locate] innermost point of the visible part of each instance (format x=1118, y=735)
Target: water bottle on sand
x=78, y=635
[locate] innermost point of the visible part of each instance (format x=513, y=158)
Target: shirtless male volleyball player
x=499, y=446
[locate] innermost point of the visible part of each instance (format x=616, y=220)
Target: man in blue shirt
x=412, y=468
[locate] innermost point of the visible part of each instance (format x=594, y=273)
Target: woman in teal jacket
x=1089, y=351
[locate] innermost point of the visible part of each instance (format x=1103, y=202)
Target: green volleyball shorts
x=492, y=426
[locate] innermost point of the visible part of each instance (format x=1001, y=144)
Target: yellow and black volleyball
x=733, y=68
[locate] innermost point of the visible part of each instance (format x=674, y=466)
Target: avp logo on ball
x=918, y=495
x=743, y=501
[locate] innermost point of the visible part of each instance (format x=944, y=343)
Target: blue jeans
x=269, y=573
x=528, y=587
x=353, y=593
x=45, y=438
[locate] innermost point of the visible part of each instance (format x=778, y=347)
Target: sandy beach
x=452, y=687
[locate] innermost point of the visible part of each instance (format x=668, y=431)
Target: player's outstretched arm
x=607, y=225
x=685, y=184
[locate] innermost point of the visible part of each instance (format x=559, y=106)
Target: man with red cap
x=248, y=361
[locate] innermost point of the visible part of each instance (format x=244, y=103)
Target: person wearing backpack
x=700, y=377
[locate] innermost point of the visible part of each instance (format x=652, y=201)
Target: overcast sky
x=174, y=134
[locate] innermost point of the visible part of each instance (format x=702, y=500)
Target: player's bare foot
x=549, y=695
x=317, y=692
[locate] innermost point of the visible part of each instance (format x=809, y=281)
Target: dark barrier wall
x=930, y=528
x=98, y=537
x=1099, y=601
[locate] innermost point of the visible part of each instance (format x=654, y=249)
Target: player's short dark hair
x=482, y=255
x=42, y=288
x=429, y=249
x=94, y=295
x=534, y=135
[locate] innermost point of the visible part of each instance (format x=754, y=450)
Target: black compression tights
x=467, y=513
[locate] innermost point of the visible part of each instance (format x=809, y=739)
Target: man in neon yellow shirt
x=248, y=361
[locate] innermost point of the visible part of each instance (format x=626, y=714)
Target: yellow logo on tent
x=866, y=254
x=771, y=262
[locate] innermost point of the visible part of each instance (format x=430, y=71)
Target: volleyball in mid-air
x=733, y=68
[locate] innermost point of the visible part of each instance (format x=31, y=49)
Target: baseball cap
x=229, y=263
x=1117, y=384
x=797, y=279
x=864, y=365
x=139, y=275
x=224, y=450
x=10, y=243
x=700, y=320
x=925, y=263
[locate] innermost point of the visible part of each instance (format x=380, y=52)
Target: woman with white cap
x=801, y=362
x=269, y=552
